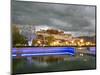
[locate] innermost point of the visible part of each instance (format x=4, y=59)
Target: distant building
x=55, y=33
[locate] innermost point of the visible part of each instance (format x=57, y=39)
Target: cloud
x=73, y=18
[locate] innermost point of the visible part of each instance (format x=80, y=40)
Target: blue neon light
x=14, y=55
x=43, y=51
x=42, y=54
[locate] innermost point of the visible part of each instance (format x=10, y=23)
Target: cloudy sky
x=76, y=19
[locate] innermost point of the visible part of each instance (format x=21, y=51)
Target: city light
x=81, y=40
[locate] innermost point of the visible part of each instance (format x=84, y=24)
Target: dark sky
x=70, y=18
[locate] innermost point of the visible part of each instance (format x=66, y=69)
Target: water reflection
x=79, y=61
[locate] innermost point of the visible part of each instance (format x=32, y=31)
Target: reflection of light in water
x=92, y=49
x=43, y=64
x=81, y=54
x=66, y=58
x=29, y=59
x=39, y=64
x=84, y=59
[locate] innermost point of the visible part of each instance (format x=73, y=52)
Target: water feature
x=76, y=62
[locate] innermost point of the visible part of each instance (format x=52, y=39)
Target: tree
x=17, y=38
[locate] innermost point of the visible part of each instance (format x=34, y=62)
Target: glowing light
x=39, y=42
x=81, y=40
x=14, y=55
x=67, y=43
x=88, y=43
x=81, y=55
x=72, y=41
x=42, y=54
x=80, y=48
